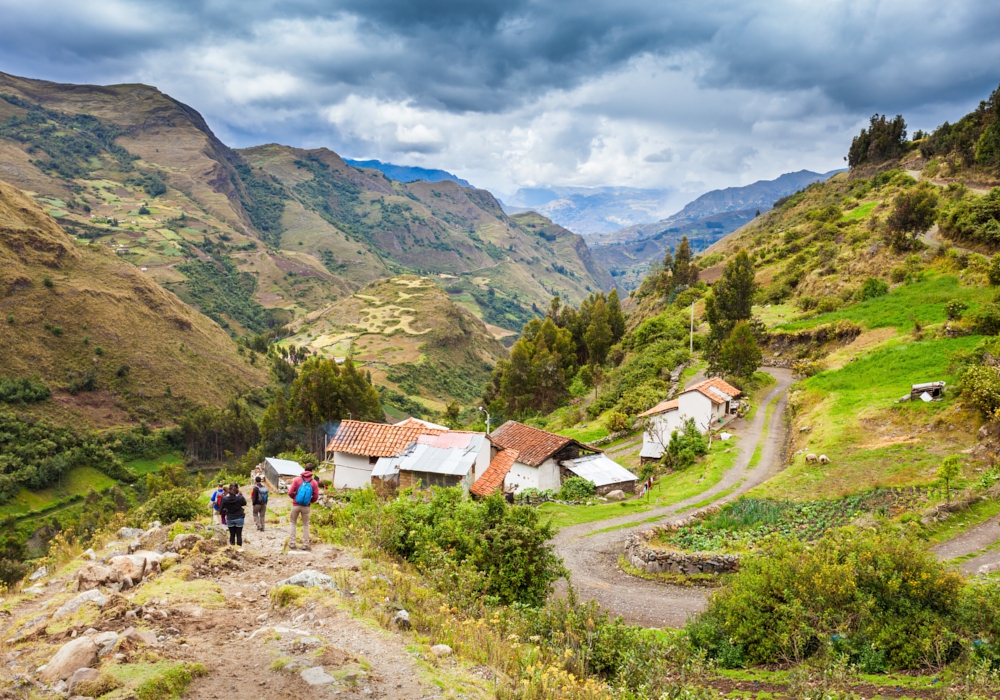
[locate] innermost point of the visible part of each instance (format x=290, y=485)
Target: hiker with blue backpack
x=304, y=491
x=258, y=497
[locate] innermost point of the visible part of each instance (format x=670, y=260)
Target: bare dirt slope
x=592, y=556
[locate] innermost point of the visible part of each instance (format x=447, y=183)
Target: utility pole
x=487, y=418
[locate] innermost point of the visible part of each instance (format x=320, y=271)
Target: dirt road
x=593, y=558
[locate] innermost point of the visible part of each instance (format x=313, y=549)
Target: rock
x=402, y=620
x=93, y=575
x=79, y=653
x=90, y=596
x=185, y=541
x=441, y=650
x=142, y=637
x=89, y=554
x=33, y=590
x=39, y=573
x=616, y=495
x=136, y=566
x=128, y=533
x=82, y=675
x=262, y=617
x=309, y=578
x=104, y=638
x=351, y=677
x=310, y=641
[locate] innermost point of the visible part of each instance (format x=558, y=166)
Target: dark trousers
x=236, y=535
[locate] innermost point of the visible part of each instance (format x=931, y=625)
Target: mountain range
x=590, y=210
x=407, y=173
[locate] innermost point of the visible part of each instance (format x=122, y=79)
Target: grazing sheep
x=811, y=457
x=823, y=459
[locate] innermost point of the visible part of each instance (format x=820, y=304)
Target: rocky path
x=592, y=556
x=220, y=614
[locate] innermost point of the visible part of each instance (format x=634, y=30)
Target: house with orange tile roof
x=540, y=458
x=356, y=446
x=710, y=403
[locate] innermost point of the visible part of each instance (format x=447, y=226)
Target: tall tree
x=685, y=273
x=274, y=425
x=913, y=212
x=323, y=393
x=599, y=335
x=739, y=356
x=730, y=302
x=615, y=317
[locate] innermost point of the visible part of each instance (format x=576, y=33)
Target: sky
x=683, y=96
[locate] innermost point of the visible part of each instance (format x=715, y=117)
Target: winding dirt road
x=593, y=558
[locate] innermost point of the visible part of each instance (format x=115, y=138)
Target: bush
x=955, y=308
x=576, y=488
x=981, y=388
x=890, y=601
x=685, y=447
x=986, y=320
x=169, y=506
x=616, y=422
x=23, y=390
x=873, y=288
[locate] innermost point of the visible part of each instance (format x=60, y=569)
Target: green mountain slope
x=112, y=344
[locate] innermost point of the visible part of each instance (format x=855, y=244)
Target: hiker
x=258, y=497
x=304, y=491
x=218, y=517
x=233, y=504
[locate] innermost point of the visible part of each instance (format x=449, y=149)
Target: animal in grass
x=811, y=457
x=823, y=459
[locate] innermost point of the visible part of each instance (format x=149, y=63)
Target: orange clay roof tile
x=376, y=439
x=493, y=477
x=535, y=445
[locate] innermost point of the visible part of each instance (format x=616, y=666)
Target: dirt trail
x=973, y=540
x=593, y=558
x=368, y=662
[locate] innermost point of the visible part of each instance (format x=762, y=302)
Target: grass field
x=76, y=482
x=871, y=440
x=147, y=466
x=923, y=300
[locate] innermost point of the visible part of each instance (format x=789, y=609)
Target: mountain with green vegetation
x=89, y=339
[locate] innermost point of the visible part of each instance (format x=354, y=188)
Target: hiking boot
x=291, y=546
x=305, y=548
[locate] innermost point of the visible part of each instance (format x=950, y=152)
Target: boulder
x=310, y=578
x=316, y=676
x=441, y=650
x=33, y=590
x=89, y=554
x=93, y=575
x=128, y=533
x=83, y=675
x=616, y=495
x=76, y=654
x=140, y=636
x=138, y=565
x=90, y=596
x=39, y=573
x=402, y=620
x=185, y=541
x=104, y=638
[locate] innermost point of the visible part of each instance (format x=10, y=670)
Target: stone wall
x=640, y=553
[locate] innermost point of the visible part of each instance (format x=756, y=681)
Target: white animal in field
x=811, y=457
x=823, y=459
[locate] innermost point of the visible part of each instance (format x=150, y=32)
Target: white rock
x=441, y=650
x=39, y=573
x=128, y=533
x=89, y=554
x=81, y=675
x=104, y=638
x=33, y=590
x=309, y=578
x=402, y=619
x=616, y=495
x=91, y=596
x=317, y=676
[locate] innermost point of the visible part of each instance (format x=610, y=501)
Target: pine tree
x=274, y=435
x=685, y=273
x=615, y=317
x=739, y=356
x=598, y=335
x=731, y=301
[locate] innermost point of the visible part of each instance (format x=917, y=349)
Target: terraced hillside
x=111, y=344
x=412, y=338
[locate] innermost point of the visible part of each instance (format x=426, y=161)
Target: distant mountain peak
x=407, y=173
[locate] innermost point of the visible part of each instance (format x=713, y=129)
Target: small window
x=372, y=459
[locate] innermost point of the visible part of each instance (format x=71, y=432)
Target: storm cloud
x=534, y=92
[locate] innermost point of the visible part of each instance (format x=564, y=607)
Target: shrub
x=47, y=281
x=898, y=274
x=993, y=271
x=685, y=446
x=955, y=308
x=981, y=388
x=889, y=600
x=576, y=488
x=169, y=506
x=986, y=319
x=616, y=422
x=23, y=390
x=873, y=288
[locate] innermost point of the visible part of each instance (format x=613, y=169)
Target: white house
x=710, y=403
x=532, y=458
x=356, y=447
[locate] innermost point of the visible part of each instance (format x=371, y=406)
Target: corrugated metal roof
x=386, y=467
x=651, y=450
x=285, y=467
x=455, y=461
x=600, y=470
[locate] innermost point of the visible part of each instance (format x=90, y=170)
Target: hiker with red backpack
x=217, y=509
x=304, y=491
x=258, y=497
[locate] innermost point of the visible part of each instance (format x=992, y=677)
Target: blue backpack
x=304, y=495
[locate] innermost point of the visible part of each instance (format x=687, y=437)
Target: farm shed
x=603, y=472
x=450, y=459
x=539, y=455
x=277, y=471
x=934, y=389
